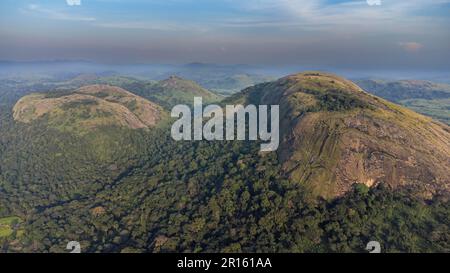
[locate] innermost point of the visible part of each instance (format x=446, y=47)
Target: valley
x=425, y=97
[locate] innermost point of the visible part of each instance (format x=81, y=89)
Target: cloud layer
x=73, y=2
x=314, y=33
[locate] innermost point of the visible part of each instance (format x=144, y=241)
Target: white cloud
x=374, y=2
x=349, y=17
x=73, y=2
x=55, y=14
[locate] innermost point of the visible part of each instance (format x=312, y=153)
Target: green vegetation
x=338, y=101
x=167, y=93
x=10, y=227
x=116, y=189
x=335, y=134
x=224, y=80
x=234, y=83
x=88, y=108
x=225, y=198
x=438, y=109
x=424, y=97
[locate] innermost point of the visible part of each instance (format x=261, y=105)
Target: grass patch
x=438, y=109
x=10, y=224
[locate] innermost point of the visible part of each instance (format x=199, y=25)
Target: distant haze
x=336, y=34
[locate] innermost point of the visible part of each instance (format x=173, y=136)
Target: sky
x=353, y=34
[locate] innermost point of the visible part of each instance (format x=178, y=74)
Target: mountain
x=405, y=89
x=428, y=98
x=236, y=82
x=222, y=79
x=175, y=90
x=88, y=108
x=71, y=144
x=114, y=188
x=167, y=93
x=335, y=135
x=82, y=79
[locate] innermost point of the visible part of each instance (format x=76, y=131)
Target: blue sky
x=345, y=33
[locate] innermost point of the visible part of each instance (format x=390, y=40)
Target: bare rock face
x=89, y=107
x=335, y=135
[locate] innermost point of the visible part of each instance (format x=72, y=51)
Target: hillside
x=175, y=90
x=425, y=97
x=118, y=189
x=88, y=108
x=167, y=93
x=222, y=79
x=335, y=135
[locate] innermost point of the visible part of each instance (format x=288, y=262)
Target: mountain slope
x=335, y=135
x=167, y=93
x=405, y=89
x=89, y=107
x=425, y=97
x=223, y=79
x=175, y=90
x=116, y=189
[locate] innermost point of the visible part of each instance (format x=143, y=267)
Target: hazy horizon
x=340, y=34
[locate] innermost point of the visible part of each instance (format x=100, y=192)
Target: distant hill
x=87, y=108
x=223, y=79
x=235, y=83
x=167, y=93
x=335, y=135
x=73, y=167
x=405, y=89
x=425, y=97
x=175, y=90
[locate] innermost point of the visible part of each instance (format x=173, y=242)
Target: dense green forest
x=210, y=196
x=124, y=190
